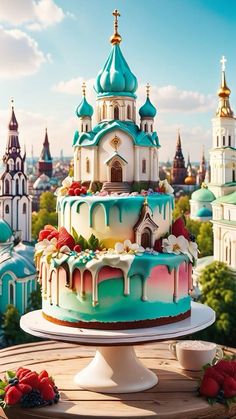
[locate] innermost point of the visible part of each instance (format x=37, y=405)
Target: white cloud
x=74, y=87
x=20, y=54
x=36, y=15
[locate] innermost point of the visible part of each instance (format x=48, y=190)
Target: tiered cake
x=112, y=263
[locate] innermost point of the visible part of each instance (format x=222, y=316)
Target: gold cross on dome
x=223, y=61
x=148, y=89
x=116, y=14
x=84, y=88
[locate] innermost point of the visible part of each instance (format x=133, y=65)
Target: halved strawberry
x=47, y=392
x=46, y=381
x=43, y=374
x=43, y=234
x=31, y=378
x=13, y=395
x=65, y=239
x=77, y=248
x=49, y=227
x=53, y=234
x=24, y=388
x=21, y=372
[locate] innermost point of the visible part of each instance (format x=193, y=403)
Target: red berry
x=213, y=373
x=13, y=395
x=43, y=374
x=31, y=378
x=65, y=239
x=43, y=234
x=209, y=387
x=75, y=185
x=22, y=372
x=71, y=191
x=229, y=387
x=77, y=191
x=226, y=367
x=77, y=248
x=179, y=229
x=49, y=227
x=47, y=392
x=45, y=381
x=53, y=234
x=83, y=190
x=24, y=388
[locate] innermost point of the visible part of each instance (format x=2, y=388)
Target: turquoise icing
x=114, y=305
x=124, y=203
x=116, y=76
x=5, y=231
x=147, y=110
x=93, y=137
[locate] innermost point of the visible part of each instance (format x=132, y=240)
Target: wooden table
x=173, y=397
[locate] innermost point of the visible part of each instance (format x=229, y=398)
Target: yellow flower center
x=176, y=247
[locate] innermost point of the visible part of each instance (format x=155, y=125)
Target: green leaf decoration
x=10, y=374
x=49, y=258
x=75, y=236
x=3, y=384
x=2, y=392
x=82, y=242
x=93, y=242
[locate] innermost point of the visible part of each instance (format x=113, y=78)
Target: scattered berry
x=209, y=387
x=77, y=248
x=32, y=399
x=13, y=395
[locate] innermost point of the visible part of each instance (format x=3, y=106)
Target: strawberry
x=49, y=227
x=31, y=378
x=83, y=190
x=209, y=387
x=229, y=387
x=226, y=367
x=213, y=373
x=75, y=185
x=13, y=395
x=53, y=234
x=77, y=191
x=46, y=381
x=178, y=229
x=24, y=388
x=21, y=372
x=43, y=374
x=43, y=234
x=65, y=239
x=47, y=392
x=158, y=246
x=71, y=191
x=77, y=248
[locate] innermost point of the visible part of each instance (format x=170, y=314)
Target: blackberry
x=192, y=237
x=32, y=399
x=13, y=381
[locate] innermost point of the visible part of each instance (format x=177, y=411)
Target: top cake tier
x=115, y=219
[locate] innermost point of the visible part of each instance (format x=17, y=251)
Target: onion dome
x=147, y=110
x=203, y=194
x=224, y=108
x=84, y=108
x=116, y=78
x=190, y=180
x=5, y=231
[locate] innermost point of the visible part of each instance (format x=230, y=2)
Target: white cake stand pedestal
x=115, y=367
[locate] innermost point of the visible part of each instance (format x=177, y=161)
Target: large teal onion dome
x=5, y=231
x=116, y=78
x=148, y=110
x=203, y=195
x=84, y=108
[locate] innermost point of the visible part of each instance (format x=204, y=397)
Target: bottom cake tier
x=116, y=291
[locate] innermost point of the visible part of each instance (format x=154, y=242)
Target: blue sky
x=48, y=47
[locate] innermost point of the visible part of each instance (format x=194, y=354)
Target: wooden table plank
x=174, y=397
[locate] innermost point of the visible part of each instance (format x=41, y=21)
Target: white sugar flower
x=66, y=183
x=176, y=245
x=193, y=250
x=163, y=184
x=128, y=247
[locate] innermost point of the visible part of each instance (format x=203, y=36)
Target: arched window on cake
x=129, y=112
x=145, y=127
x=144, y=166
x=87, y=165
x=24, y=208
x=116, y=112
x=11, y=294
x=86, y=128
x=104, y=110
x=7, y=186
x=23, y=187
x=7, y=209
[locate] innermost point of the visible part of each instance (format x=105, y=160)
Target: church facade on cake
x=216, y=200
x=15, y=202
x=116, y=152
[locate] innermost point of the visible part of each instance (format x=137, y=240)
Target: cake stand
x=115, y=367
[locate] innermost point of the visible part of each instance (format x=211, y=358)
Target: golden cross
x=116, y=14
x=84, y=88
x=148, y=89
x=223, y=61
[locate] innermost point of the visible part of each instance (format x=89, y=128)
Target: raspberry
x=77, y=191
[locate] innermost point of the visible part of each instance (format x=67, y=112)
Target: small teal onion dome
x=148, y=110
x=203, y=194
x=116, y=78
x=204, y=212
x=5, y=231
x=84, y=108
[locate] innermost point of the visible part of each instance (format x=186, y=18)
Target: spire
x=224, y=109
x=116, y=38
x=45, y=159
x=13, y=124
x=45, y=154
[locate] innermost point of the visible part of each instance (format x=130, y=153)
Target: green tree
x=193, y=226
x=12, y=333
x=218, y=286
x=47, y=201
x=205, y=239
x=181, y=207
x=35, y=299
x=40, y=219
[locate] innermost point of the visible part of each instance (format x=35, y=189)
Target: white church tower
x=223, y=152
x=15, y=203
